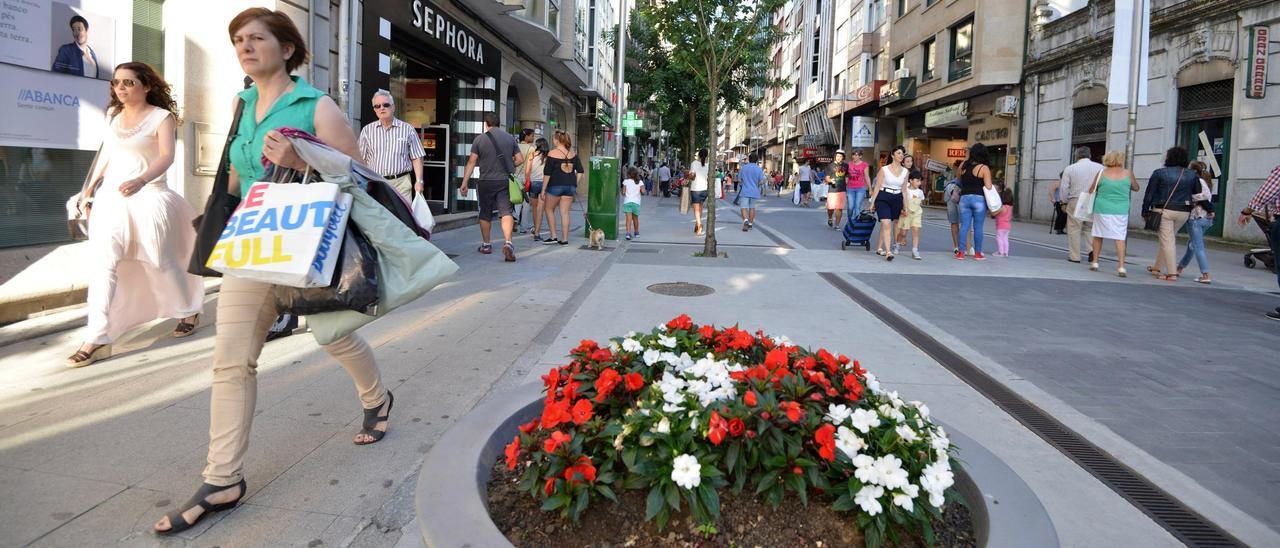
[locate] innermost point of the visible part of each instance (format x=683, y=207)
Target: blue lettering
x=246, y=220
x=287, y=222
x=267, y=221
x=229, y=230
x=48, y=98
x=320, y=212
x=330, y=234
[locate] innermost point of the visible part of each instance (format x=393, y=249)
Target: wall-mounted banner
x=61, y=37
x=1122, y=48
x=862, y=132
x=46, y=110
x=948, y=115
x=1259, y=44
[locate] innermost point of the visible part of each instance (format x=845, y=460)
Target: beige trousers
x=246, y=310
x=403, y=185
x=1166, y=253
x=1075, y=230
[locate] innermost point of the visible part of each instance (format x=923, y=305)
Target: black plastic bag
x=354, y=285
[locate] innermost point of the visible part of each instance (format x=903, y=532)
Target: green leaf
x=606, y=492
x=731, y=457
x=554, y=502
x=629, y=458
x=633, y=481
x=581, y=504
x=843, y=504
x=711, y=471
x=653, y=504
x=769, y=479
x=673, y=496
x=872, y=536
x=776, y=461
x=710, y=501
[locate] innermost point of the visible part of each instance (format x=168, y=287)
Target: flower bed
x=750, y=414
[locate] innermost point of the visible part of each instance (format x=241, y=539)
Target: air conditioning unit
x=901, y=73
x=1007, y=106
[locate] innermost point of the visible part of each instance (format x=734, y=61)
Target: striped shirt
x=1267, y=200
x=390, y=151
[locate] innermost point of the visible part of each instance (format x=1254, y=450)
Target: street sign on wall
x=1259, y=43
x=862, y=132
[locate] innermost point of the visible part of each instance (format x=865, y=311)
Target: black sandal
x=372, y=418
x=183, y=328
x=178, y=523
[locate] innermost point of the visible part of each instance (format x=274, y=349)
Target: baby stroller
x=858, y=230
x=1263, y=254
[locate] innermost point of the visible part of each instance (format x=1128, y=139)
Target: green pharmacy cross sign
x=630, y=123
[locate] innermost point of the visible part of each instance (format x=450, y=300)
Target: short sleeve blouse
x=295, y=109
x=562, y=171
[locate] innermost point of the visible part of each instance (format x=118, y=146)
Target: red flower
x=737, y=427
x=581, y=411
x=551, y=381
x=765, y=415
x=751, y=434
x=816, y=396
x=634, y=381
x=513, y=452
x=843, y=359
x=680, y=322
x=826, y=438
x=857, y=368
x=571, y=390
x=854, y=387
x=549, y=487
x=807, y=363
x=719, y=427
x=793, y=410
x=582, y=468
x=827, y=360
x=707, y=331
x=529, y=426
x=796, y=470
x=555, y=413
x=750, y=399
x=554, y=442
x=776, y=358
x=605, y=384
x=586, y=346
x=602, y=355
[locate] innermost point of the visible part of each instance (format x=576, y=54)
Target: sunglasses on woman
x=128, y=82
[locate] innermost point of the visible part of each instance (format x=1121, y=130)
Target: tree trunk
x=713, y=197
x=693, y=134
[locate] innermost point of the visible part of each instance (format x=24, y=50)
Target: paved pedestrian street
x=1169, y=379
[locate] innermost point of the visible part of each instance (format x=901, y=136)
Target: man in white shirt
x=664, y=180
x=805, y=176
x=1077, y=178
x=392, y=148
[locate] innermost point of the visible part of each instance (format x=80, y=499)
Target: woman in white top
x=533, y=168
x=887, y=197
x=698, y=188
x=140, y=231
x=1200, y=222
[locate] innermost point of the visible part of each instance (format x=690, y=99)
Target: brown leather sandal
x=82, y=358
x=184, y=329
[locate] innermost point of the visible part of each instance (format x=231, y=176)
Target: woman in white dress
x=140, y=231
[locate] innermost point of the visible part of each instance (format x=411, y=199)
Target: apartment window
x=929, y=48
x=148, y=33
x=873, y=68
x=899, y=63
x=875, y=12
x=928, y=3
x=817, y=52
x=902, y=7
x=961, y=50
x=545, y=13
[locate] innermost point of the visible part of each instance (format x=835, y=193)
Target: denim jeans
x=1195, y=244
x=856, y=197
x=973, y=212
x=1275, y=244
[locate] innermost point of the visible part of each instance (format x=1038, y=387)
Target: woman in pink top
x=859, y=176
x=1004, y=221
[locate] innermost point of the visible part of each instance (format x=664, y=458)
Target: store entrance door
x=423, y=95
x=1217, y=133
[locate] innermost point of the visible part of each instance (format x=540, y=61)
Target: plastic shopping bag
x=1084, y=207
x=993, y=198
x=422, y=213
x=285, y=234
x=795, y=195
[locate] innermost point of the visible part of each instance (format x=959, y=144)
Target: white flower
x=936, y=478
x=617, y=442
x=906, y=433
x=663, y=426
x=872, y=384
x=686, y=471
x=922, y=408
x=662, y=327
x=866, y=470
x=838, y=413
x=651, y=357
x=939, y=442
x=669, y=342
x=848, y=442
x=905, y=498
x=631, y=345
x=864, y=420
x=613, y=347
x=891, y=412
x=936, y=499
x=867, y=499
x=889, y=469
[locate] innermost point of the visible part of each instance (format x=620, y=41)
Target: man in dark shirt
x=496, y=152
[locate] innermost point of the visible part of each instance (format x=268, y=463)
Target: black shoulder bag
x=1152, y=220
x=217, y=209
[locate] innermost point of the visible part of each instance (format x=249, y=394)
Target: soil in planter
x=745, y=521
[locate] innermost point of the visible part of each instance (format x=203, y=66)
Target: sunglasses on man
x=382, y=105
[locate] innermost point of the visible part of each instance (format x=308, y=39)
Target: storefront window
x=961, y=50
x=35, y=184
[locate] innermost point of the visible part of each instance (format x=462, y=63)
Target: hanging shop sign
x=861, y=97
x=902, y=89
x=1259, y=42
x=957, y=153
x=453, y=40
x=862, y=132
x=950, y=114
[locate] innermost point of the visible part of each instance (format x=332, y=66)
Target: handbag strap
x=508, y=162
x=223, y=177
x=1175, y=187
x=90, y=185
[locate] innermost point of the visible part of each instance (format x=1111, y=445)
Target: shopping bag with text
x=286, y=234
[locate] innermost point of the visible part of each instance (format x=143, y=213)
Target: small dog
x=595, y=236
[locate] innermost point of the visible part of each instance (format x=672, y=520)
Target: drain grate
x=1182, y=522
x=631, y=250
x=681, y=289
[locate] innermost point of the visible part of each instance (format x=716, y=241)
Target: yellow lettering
x=277, y=250
x=246, y=252
x=215, y=256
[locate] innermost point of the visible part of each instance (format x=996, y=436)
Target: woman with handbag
x=1166, y=206
x=1111, y=191
x=269, y=48
x=1200, y=222
x=975, y=182
x=699, y=181
x=140, y=231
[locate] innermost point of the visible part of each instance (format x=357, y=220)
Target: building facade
x=1199, y=98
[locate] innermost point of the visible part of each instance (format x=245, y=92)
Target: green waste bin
x=602, y=196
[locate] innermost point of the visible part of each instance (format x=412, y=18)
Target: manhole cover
x=681, y=289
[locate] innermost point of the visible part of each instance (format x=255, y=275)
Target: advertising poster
x=64, y=37
x=49, y=110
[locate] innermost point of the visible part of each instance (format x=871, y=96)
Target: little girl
x=632, y=188
x=913, y=214
x=1004, y=221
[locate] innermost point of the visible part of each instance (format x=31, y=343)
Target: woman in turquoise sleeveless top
x=1111, y=207
x=269, y=48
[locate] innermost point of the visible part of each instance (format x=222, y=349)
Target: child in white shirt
x=632, y=188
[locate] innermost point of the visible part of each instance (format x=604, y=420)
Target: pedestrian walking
x=838, y=178
x=1166, y=206
x=534, y=164
x=887, y=197
x=1004, y=220
x=752, y=180
x=975, y=178
x=632, y=189
x=913, y=211
x=1199, y=223
x=496, y=153
x=1059, y=225
x=908, y=162
x=1112, y=192
x=563, y=171
x=805, y=176
x=269, y=48
x=664, y=180
x=859, y=178
x=951, y=195
x=140, y=232
x=1075, y=179
x=698, y=183
x=1265, y=203
x=392, y=147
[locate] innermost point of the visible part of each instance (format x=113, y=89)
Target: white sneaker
x=915, y=254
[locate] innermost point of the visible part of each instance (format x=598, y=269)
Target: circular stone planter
x=452, y=494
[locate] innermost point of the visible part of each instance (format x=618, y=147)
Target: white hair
x=384, y=93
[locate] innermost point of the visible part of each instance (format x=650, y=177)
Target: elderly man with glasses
x=392, y=148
